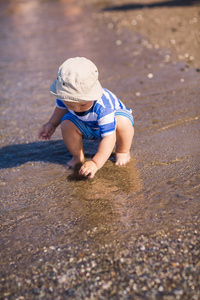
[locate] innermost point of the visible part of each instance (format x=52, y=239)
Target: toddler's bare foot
x=122, y=158
x=72, y=163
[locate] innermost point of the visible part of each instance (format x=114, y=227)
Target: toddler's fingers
x=83, y=171
x=44, y=136
x=40, y=134
x=87, y=172
x=91, y=174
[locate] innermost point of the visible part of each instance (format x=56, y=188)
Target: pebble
x=167, y=58
x=52, y=248
x=134, y=22
x=107, y=285
x=150, y=75
x=137, y=94
x=118, y=42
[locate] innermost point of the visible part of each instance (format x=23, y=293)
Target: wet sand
x=129, y=233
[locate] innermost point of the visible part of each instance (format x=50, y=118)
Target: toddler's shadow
x=53, y=151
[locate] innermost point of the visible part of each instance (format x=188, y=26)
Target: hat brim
x=63, y=95
x=52, y=88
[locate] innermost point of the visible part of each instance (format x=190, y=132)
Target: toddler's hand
x=89, y=168
x=46, y=131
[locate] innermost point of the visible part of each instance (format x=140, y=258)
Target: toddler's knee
x=69, y=126
x=65, y=124
x=123, y=122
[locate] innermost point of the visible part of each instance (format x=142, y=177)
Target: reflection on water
x=109, y=202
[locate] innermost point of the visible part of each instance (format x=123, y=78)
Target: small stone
x=112, y=274
x=167, y=58
x=137, y=94
x=150, y=75
x=134, y=22
x=160, y=289
x=62, y=279
x=135, y=287
x=107, y=285
x=118, y=43
x=52, y=248
x=93, y=264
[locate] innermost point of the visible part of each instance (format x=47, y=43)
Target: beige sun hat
x=77, y=80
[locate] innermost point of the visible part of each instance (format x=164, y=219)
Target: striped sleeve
x=106, y=122
x=60, y=104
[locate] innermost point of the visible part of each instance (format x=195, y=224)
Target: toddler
x=86, y=110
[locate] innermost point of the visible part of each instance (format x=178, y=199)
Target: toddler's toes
x=72, y=163
x=120, y=163
x=122, y=158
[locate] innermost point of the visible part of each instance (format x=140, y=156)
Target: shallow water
x=44, y=204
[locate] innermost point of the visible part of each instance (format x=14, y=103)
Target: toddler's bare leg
x=124, y=136
x=74, y=142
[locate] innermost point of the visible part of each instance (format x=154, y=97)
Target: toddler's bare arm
x=105, y=148
x=49, y=128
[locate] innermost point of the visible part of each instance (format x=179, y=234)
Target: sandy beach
x=129, y=233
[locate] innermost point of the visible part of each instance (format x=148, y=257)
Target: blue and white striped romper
x=99, y=121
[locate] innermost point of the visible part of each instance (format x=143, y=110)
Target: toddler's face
x=79, y=107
